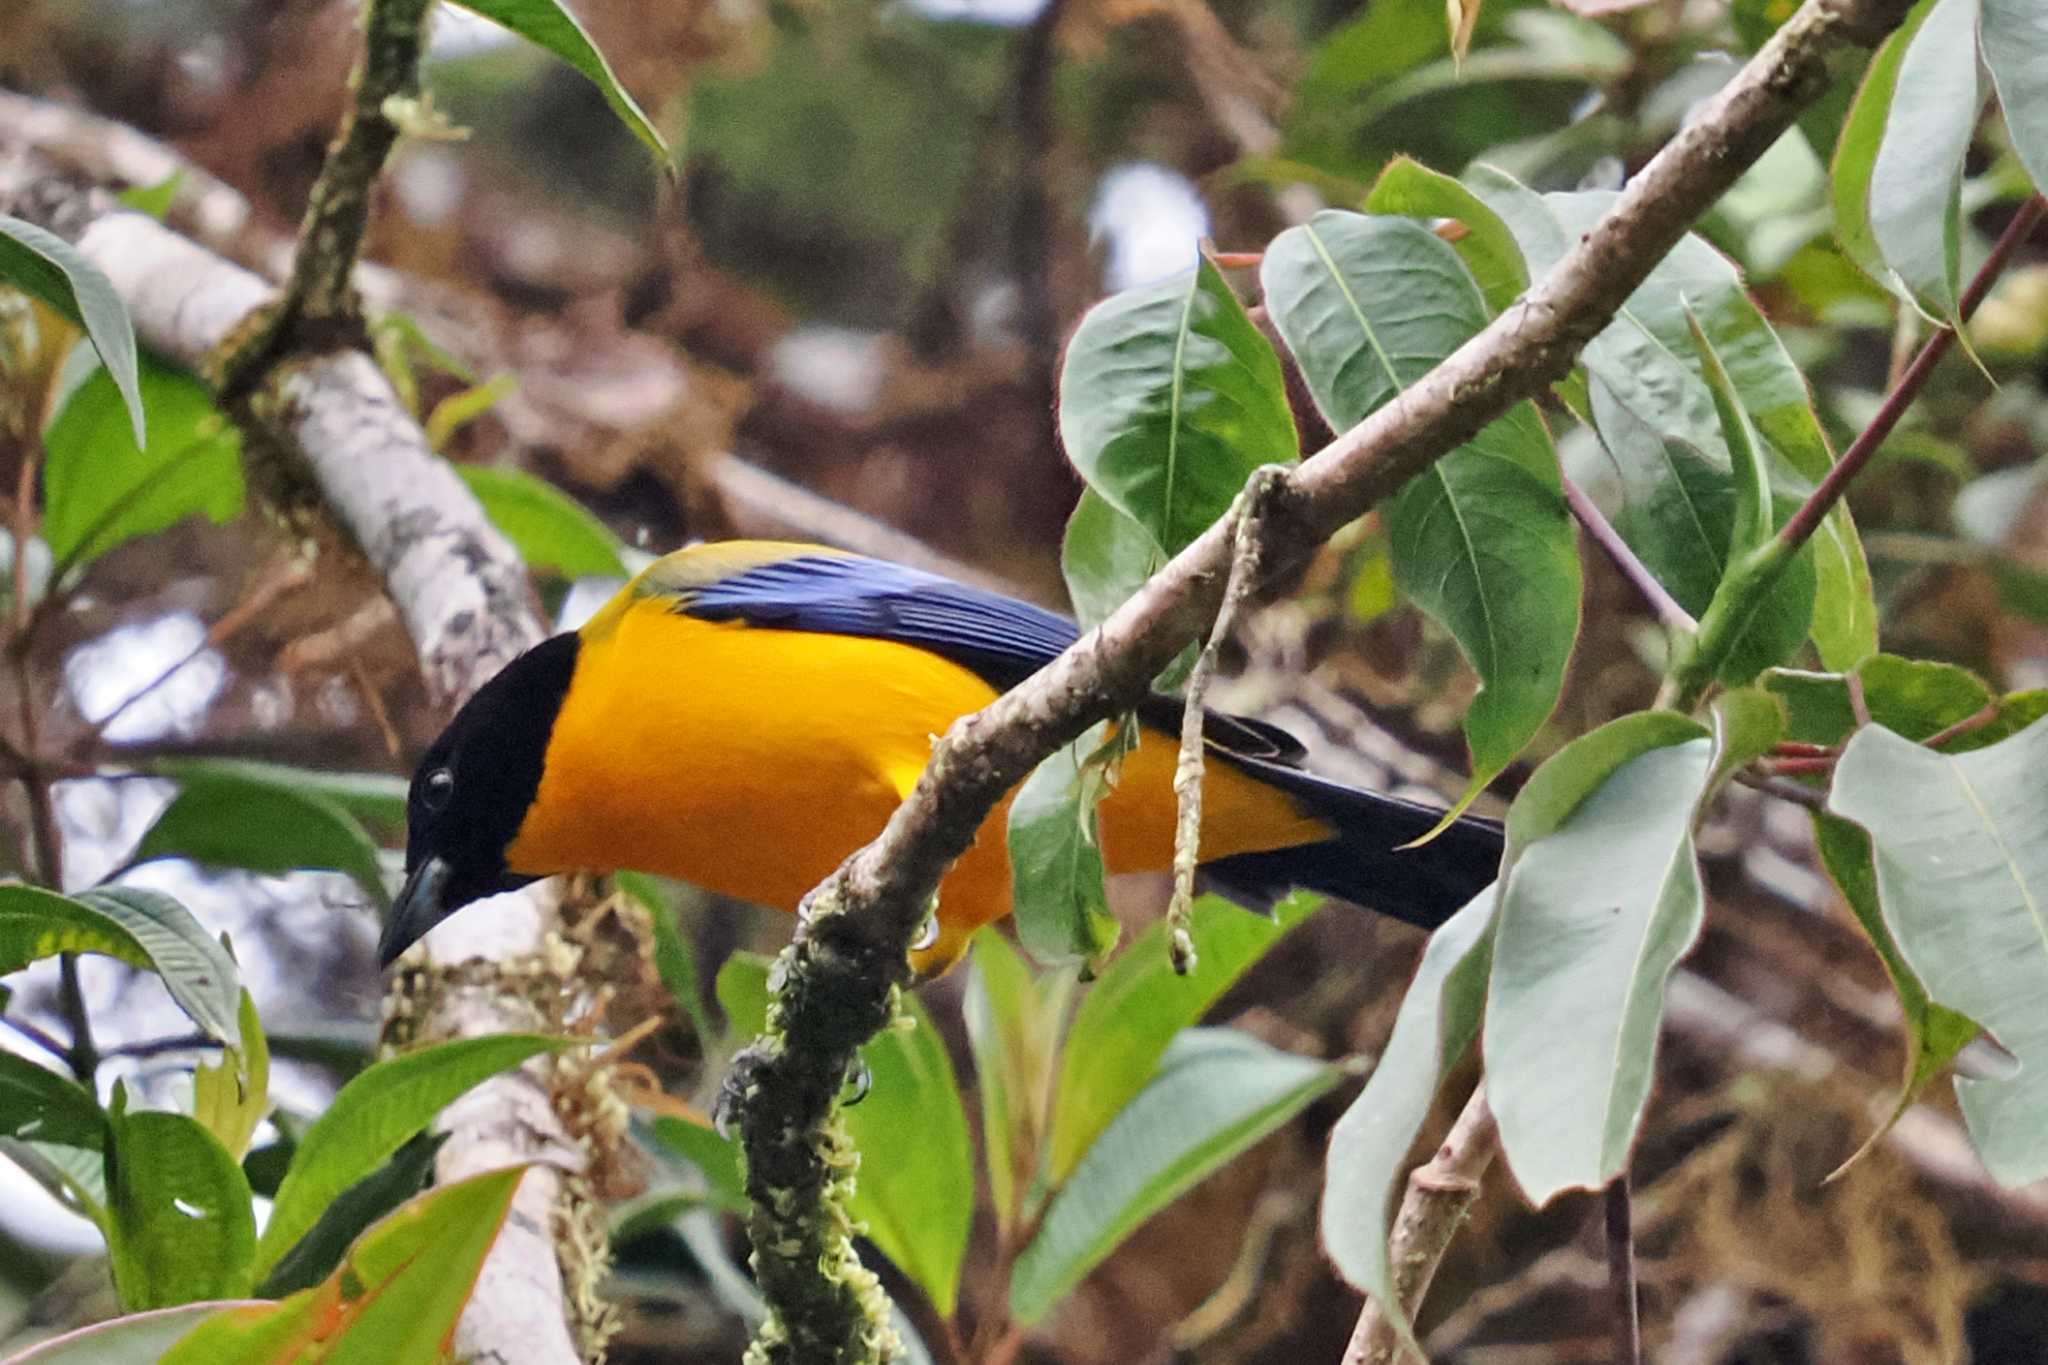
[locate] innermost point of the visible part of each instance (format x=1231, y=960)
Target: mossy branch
x=836, y=979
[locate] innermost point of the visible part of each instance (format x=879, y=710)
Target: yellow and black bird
x=744, y=715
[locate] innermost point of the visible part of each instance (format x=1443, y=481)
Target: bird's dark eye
x=436, y=789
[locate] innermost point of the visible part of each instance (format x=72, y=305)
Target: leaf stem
x=1601, y=532
x=1621, y=1272
x=1750, y=577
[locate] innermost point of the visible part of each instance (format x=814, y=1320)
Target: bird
x=743, y=715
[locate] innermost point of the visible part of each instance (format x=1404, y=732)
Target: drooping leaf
x=1169, y=400
x=1602, y=898
x=1013, y=1027
x=674, y=958
x=195, y=968
x=1934, y=1033
x=103, y=488
x=396, y=1298
x=1862, y=137
x=1131, y=1013
x=1439, y=1018
x=548, y=24
x=1216, y=1093
x=1486, y=246
x=1056, y=876
x=1481, y=540
x=915, y=1194
x=41, y=263
x=2015, y=42
x=548, y=528
x=715, y=1157
x=179, y=1223
x=376, y=798
x=131, y=1339
x=231, y=1095
x=37, y=1104
x=375, y=1114
x=1961, y=853
x=409, y=1171
x=240, y=818
x=1105, y=557
x=1915, y=190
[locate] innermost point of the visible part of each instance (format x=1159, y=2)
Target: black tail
x=1423, y=886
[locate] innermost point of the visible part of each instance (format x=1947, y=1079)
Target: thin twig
x=1784, y=788
x=1621, y=1272
x=38, y=1035
x=1246, y=516
x=1439, y=1194
x=1600, y=530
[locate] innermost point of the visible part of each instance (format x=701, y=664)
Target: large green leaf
x=194, y=965
x=2015, y=35
x=1862, y=137
x=1481, y=540
x=409, y=1171
x=1169, y=399
x=1657, y=421
x=1914, y=201
x=179, y=1223
x=1487, y=247
x=1216, y=1093
x=1131, y=1013
x=37, y=1104
x=375, y=1114
x=1916, y=697
x=378, y=798
x=75, y=1176
x=1439, y=1018
x=716, y=1158
x=1105, y=557
x=548, y=528
x=1013, y=1027
x=675, y=960
x=132, y=1339
x=41, y=263
x=1057, y=894
x=1602, y=898
x=548, y=24
x=915, y=1194
x=1961, y=850
x=102, y=488
x=243, y=819
x=396, y=1298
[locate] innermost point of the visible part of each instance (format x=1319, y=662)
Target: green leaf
x=1369, y=1147
x=915, y=1194
x=155, y=200
x=1481, y=540
x=742, y=991
x=1487, y=248
x=179, y=1223
x=374, y=1115
x=1013, y=1027
x=1127, y=1018
x=1934, y=1033
x=231, y=1096
x=36, y=924
x=549, y=529
x=103, y=488
x=43, y=264
x=716, y=1158
x=1961, y=847
x=2015, y=43
x=37, y=1104
x=1169, y=400
x=1862, y=137
x=378, y=798
x=396, y=1298
x=674, y=958
x=75, y=1177
x=132, y=1339
x=1916, y=697
x=1753, y=521
x=1602, y=898
x=1217, y=1092
x=194, y=966
x=1914, y=198
x=241, y=818
x=409, y=1171
x=1056, y=878
x=1105, y=557
x=548, y=24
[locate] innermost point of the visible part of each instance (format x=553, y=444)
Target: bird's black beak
x=417, y=909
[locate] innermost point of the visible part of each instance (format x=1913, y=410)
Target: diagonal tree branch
x=838, y=977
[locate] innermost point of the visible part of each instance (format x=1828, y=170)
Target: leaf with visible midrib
x=1169, y=399
x=550, y=26
x=45, y=265
x=1481, y=540
x=1961, y=852
x=179, y=1223
x=2015, y=43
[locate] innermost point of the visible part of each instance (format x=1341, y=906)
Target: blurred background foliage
x=887, y=217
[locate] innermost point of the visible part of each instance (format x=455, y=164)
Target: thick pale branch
x=849, y=951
